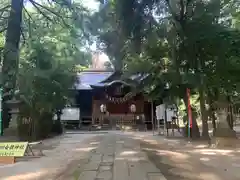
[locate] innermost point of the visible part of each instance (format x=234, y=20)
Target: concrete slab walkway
x=117, y=157
x=111, y=156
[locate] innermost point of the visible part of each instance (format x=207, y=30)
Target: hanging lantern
x=133, y=108
x=103, y=108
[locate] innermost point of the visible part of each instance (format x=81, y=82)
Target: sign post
x=15, y=149
x=10, y=150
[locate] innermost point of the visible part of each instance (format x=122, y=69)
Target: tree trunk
x=230, y=113
x=11, y=56
x=194, y=132
x=204, y=117
x=212, y=114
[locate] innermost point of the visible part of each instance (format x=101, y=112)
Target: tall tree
x=105, y=26
x=11, y=55
x=194, y=39
x=48, y=60
x=63, y=10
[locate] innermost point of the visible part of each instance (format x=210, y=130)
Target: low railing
x=119, y=119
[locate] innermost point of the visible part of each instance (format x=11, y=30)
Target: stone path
x=117, y=157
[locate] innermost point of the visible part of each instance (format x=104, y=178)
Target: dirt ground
x=175, y=158
x=59, y=154
x=179, y=160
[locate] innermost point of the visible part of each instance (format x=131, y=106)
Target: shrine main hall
x=106, y=98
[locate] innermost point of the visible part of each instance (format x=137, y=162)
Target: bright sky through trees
x=92, y=5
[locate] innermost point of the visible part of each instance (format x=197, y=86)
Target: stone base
x=11, y=131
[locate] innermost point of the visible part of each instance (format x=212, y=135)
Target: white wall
x=69, y=114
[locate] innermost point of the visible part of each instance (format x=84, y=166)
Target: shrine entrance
x=117, y=104
x=114, y=102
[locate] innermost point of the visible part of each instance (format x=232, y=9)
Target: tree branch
x=171, y=10
x=188, y=2
x=37, y=5
x=4, y=9
x=182, y=11
x=63, y=3
x=40, y=11
x=3, y=29
x=30, y=17
x=23, y=36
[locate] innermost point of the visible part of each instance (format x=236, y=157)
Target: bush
x=45, y=124
x=36, y=129
x=57, y=127
x=24, y=130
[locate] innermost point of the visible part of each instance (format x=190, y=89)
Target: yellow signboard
x=15, y=149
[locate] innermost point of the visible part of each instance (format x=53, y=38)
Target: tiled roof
x=88, y=78
x=97, y=78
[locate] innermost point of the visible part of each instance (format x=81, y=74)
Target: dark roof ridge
x=96, y=70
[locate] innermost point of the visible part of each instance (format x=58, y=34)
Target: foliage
x=181, y=44
x=52, y=48
x=48, y=60
x=108, y=34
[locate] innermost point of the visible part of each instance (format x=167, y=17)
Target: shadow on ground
x=186, y=164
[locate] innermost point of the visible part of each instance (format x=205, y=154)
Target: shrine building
x=104, y=98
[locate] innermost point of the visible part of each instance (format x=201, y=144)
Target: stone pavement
x=117, y=157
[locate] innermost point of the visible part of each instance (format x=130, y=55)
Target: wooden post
x=7, y=160
x=80, y=119
x=93, y=109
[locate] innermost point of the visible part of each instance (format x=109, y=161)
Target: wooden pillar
x=93, y=110
x=80, y=118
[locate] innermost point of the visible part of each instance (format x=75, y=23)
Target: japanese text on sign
x=16, y=149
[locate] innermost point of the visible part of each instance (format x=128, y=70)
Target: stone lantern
x=13, y=105
x=133, y=108
x=103, y=108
